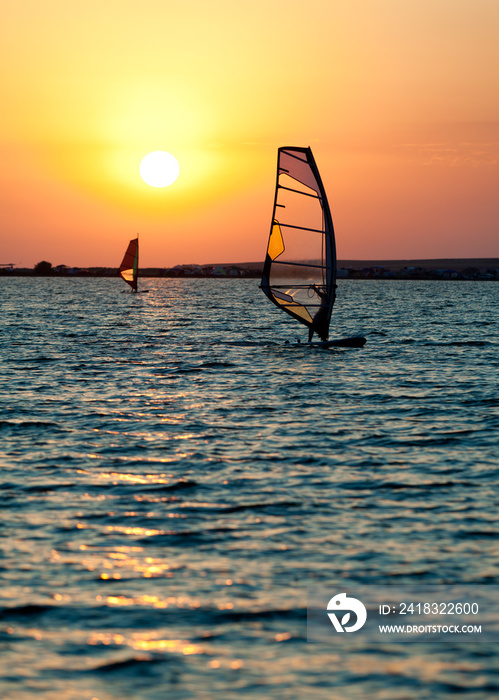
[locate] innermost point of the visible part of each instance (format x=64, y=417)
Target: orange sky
x=399, y=100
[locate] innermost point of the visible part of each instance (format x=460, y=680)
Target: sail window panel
x=301, y=228
x=299, y=275
x=300, y=247
x=307, y=298
x=300, y=210
x=295, y=165
x=292, y=188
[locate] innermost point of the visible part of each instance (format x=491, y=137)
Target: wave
x=21, y=425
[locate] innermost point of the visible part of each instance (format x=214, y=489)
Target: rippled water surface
x=174, y=475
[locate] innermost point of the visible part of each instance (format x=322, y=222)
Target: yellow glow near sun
x=159, y=169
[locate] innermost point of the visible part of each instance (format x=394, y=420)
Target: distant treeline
x=478, y=269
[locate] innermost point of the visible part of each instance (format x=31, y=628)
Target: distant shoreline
x=436, y=268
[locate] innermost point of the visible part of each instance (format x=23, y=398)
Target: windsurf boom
x=299, y=274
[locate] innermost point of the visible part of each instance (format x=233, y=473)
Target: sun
x=159, y=169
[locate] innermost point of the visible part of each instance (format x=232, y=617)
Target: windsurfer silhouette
x=320, y=322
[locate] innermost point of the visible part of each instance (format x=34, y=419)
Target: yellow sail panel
x=276, y=243
x=128, y=275
x=293, y=308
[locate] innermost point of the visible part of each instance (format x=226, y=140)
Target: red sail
x=130, y=265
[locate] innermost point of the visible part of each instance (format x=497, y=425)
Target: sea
x=179, y=474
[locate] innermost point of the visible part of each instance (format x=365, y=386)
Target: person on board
x=320, y=322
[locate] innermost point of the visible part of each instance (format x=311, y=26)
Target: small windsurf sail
x=129, y=268
x=299, y=274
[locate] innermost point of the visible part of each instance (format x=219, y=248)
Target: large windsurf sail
x=299, y=274
x=129, y=267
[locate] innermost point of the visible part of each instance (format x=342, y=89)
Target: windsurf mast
x=299, y=274
x=129, y=268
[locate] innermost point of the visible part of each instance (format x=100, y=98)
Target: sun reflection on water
x=116, y=477
x=151, y=601
x=141, y=642
x=147, y=567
